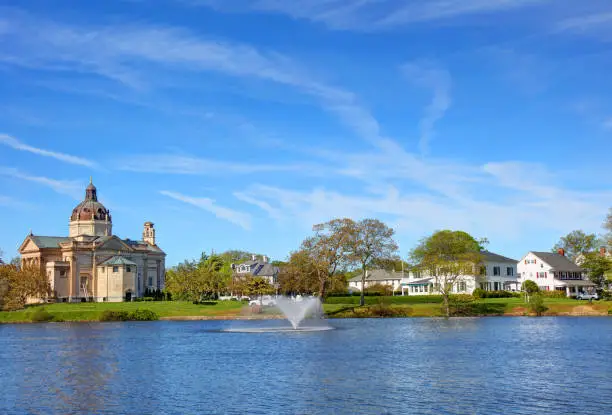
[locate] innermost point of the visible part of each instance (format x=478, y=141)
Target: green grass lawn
x=230, y=309
x=92, y=311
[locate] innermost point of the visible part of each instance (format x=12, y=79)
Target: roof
x=49, y=241
x=420, y=282
x=118, y=260
x=265, y=270
x=378, y=275
x=492, y=257
x=574, y=283
x=558, y=262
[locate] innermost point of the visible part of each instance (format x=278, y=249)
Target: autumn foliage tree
x=371, y=241
x=17, y=286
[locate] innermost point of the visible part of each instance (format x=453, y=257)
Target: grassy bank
x=376, y=307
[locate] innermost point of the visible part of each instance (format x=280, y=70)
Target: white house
x=553, y=271
x=377, y=277
x=497, y=273
x=258, y=268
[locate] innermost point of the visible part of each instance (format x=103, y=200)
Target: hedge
x=374, y=299
x=137, y=315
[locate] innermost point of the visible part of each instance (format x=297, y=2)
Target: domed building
x=92, y=264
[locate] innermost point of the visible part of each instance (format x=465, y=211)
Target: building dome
x=90, y=208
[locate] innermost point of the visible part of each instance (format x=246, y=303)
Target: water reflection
x=425, y=366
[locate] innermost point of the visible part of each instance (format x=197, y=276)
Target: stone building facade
x=92, y=264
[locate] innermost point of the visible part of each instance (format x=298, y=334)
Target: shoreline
x=591, y=313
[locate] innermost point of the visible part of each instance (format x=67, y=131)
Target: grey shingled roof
x=493, y=257
x=265, y=270
x=118, y=260
x=49, y=241
x=558, y=262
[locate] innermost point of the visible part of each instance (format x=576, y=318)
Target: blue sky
x=240, y=124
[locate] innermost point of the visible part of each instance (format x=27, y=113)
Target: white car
x=266, y=301
x=587, y=296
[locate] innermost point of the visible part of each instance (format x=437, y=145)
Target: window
x=150, y=281
x=461, y=286
x=115, y=269
x=128, y=269
x=496, y=286
x=62, y=273
x=509, y=271
x=496, y=270
x=101, y=269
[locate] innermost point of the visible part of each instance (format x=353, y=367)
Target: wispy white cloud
x=119, y=52
x=238, y=218
x=369, y=15
x=67, y=158
x=586, y=23
x=177, y=164
x=428, y=75
x=11, y=202
x=71, y=188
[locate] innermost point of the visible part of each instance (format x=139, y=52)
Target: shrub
x=137, y=315
x=110, y=315
x=536, y=304
x=479, y=293
x=148, y=299
x=40, y=315
x=553, y=294
x=407, y=299
x=143, y=315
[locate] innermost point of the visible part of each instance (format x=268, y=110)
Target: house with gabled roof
x=497, y=272
x=258, y=267
x=92, y=264
x=554, y=271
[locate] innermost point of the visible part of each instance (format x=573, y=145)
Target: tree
x=448, y=257
x=258, y=286
x=371, y=242
x=327, y=250
x=196, y=281
x=575, y=243
x=19, y=285
x=530, y=288
x=599, y=267
x=299, y=275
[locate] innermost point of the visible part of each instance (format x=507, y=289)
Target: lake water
x=394, y=366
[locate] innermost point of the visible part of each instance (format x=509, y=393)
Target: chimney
x=265, y=259
x=602, y=251
x=253, y=257
x=561, y=251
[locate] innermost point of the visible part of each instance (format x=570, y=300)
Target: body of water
x=487, y=366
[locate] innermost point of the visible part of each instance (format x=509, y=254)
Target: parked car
x=266, y=300
x=587, y=296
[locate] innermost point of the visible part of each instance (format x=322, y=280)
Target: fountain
x=296, y=310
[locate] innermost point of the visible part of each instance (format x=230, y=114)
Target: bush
x=143, y=315
x=205, y=302
x=553, y=294
x=536, y=304
x=407, y=299
x=137, y=315
x=148, y=299
x=479, y=293
x=40, y=315
x=110, y=315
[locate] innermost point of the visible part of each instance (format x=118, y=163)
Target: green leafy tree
x=536, y=304
x=598, y=267
x=529, y=287
x=575, y=243
x=196, y=281
x=448, y=257
x=371, y=242
x=259, y=287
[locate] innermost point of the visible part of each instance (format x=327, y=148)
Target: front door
x=128, y=296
